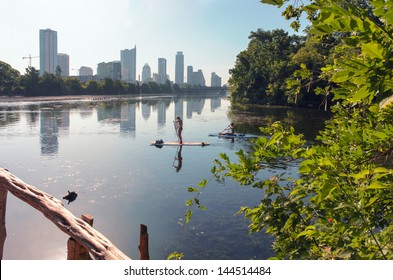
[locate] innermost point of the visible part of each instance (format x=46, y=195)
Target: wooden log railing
x=99, y=247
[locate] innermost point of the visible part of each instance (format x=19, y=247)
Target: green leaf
x=361, y=94
x=310, y=231
x=373, y=50
x=342, y=76
x=377, y=185
x=278, y=3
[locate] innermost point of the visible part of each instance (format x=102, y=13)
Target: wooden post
x=3, y=231
x=75, y=250
x=143, y=243
x=53, y=209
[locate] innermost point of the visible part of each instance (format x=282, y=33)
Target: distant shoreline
x=54, y=98
x=6, y=99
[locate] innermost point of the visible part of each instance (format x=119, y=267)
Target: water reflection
x=55, y=121
x=101, y=150
x=178, y=159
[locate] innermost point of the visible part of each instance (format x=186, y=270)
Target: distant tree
x=154, y=87
x=50, y=85
x=9, y=79
x=73, y=85
x=176, y=88
x=145, y=88
x=108, y=86
x=30, y=81
x=132, y=88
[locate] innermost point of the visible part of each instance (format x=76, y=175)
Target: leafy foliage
x=341, y=206
x=260, y=71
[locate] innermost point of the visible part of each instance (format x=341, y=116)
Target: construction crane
x=30, y=57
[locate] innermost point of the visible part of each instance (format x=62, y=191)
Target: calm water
x=100, y=149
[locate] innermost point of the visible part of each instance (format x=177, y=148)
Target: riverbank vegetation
x=341, y=205
x=12, y=83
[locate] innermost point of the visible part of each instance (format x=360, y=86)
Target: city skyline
x=209, y=33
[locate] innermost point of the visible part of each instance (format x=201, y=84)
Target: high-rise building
x=146, y=73
x=110, y=70
x=85, y=71
x=215, y=80
x=128, y=65
x=162, y=70
x=48, y=51
x=195, y=78
x=179, y=68
x=190, y=75
x=64, y=63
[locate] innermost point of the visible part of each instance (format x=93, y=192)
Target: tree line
x=12, y=83
x=282, y=69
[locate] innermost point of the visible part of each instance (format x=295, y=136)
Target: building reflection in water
x=55, y=122
x=161, y=114
x=178, y=108
x=49, y=133
x=128, y=119
x=215, y=103
x=195, y=106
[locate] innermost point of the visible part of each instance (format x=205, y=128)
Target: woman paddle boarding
x=179, y=128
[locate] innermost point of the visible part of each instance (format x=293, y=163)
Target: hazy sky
x=210, y=33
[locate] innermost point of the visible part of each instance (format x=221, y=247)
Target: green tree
x=260, y=71
x=49, y=84
x=341, y=206
x=73, y=86
x=9, y=79
x=92, y=87
x=305, y=84
x=145, y=88
x=30, y=81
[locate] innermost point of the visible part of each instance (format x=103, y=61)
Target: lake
x=101, y=150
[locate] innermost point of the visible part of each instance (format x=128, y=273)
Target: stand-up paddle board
x=159, y=143
x=235, y=135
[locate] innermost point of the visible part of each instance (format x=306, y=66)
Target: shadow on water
x=305, y=121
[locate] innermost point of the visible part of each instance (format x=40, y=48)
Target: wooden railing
x=80, y=231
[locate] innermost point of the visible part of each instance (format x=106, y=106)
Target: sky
x=210, y=33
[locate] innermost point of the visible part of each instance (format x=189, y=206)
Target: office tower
x=195, y=78
x=85, y=71
x=179, y=68
x=190, y=75
x=146, y=73
x=162, y=70
x=64, y=63
x=128, y=65
x=215, y=80
x=110, y=70
x=48, y=51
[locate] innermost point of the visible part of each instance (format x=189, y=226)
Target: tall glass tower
x=48, y=51
x=128, y=65
x=179, y=68
x=162, y=70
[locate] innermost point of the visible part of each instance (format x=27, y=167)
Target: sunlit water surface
x=101, y=150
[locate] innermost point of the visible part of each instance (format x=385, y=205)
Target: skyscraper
x=215, y=80
x=162, y=70
x=146, y=73
x=48, y=51
x=179, y=68
x=128, y=65
x=64, y=63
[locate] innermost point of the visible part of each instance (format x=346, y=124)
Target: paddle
x=222, y=132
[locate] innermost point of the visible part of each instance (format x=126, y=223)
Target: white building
x=48, y=51
x=128, y=65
